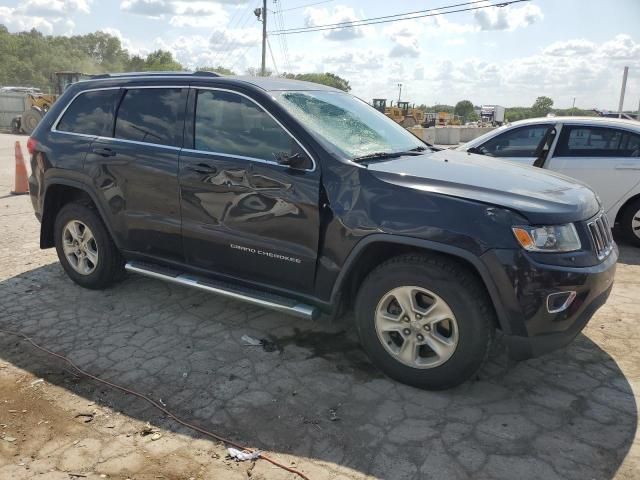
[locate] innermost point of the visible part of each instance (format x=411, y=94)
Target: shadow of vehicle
x=629, y=254
x=312, y=393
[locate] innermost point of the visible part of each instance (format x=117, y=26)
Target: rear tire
x=630, y=222
x=85, y=248
x=30, y=120
x=453, y=293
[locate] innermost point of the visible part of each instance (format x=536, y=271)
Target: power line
x=415, y=12
x=376, y=20
x=282, y=39
x=226, y=52
x=219, y=35
x=306, y=5
x=272, y=57
x=241, y=56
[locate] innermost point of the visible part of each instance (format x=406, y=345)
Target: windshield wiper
x=386, y=155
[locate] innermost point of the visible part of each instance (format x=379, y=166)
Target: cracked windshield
x=351, y=126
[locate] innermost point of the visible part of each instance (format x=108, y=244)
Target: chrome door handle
x=203, y=169
x=104, y=152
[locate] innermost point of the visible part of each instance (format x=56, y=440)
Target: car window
x=91, y=113
x=587, y=141
x=345, y=124
x=228, y=123
x=151, y=115
x=517, y=142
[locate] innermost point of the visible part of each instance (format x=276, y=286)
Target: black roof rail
x=154, y=74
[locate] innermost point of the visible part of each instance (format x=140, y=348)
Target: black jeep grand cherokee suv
x=302, y=198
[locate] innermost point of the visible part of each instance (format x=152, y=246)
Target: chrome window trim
x=187, y=150
x=240, y=157
x=148, y=144
x=271, y=162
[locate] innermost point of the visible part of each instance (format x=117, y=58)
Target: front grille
x=601, y=236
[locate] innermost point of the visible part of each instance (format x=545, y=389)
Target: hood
x=541, y=196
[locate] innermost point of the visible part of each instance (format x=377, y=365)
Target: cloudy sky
x=509, y=56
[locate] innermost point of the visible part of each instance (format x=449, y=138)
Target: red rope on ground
x=155, y=404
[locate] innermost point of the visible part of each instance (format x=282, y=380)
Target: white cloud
x=561, y=70
x=340, y=14
x=148, y=8
x=17, y=22
x=58, y=8
x=46, y=16
x=455, y=41
x=405, y=37
x=128, y=44
x=622, y=47
x=570, y=48
x=354, y=61
x=508, y=18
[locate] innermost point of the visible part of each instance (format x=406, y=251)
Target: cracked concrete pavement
x=313, y=401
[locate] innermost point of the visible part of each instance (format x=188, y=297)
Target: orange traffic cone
x=22, y=183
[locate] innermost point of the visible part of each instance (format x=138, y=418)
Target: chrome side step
x=255, y=297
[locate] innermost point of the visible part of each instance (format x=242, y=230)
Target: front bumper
x=523, y=286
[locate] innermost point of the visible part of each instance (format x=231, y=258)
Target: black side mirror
x=296, y=160
x=475, y=150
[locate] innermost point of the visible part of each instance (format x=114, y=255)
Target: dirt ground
x=312, y=401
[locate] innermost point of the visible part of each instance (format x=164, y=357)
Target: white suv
x=604, y=153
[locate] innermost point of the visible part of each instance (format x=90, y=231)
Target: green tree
x=542, y=106
x=464, y=108
x=329, y=79
x=219, y=69
x=255, y=72
x=161, y=60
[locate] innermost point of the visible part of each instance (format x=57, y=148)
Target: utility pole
x=264, y=37
x=624, y=87
x=399, y=91
x=261, y=15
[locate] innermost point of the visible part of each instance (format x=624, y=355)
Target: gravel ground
x=313, y=402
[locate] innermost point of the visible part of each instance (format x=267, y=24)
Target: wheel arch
x=377, y=248
x=624, y=206
x=58, y=193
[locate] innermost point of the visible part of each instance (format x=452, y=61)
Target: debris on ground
x=87, y=417
x=148, y=429
x=266, y=344
x=240, y=456
x=36, y=382
x=250, y=341
x=333, y=415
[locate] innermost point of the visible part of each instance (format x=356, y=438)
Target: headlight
x=554, y=238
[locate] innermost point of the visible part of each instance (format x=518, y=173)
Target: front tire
x=85, y=248
x=425, y=321
x=630, y=222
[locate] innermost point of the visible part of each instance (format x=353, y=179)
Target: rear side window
x=91, y=113
x=151, y=115
x=585, y=141
x=230, y=124
x=518, y=142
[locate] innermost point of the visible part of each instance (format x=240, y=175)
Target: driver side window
x=229, y=124
x=518, y=142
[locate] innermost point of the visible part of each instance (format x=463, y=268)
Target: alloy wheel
x=80, y=247
x=416, y=326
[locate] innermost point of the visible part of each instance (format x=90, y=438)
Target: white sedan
x=601, y=152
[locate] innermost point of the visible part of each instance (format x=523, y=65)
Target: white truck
x=493, y=114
